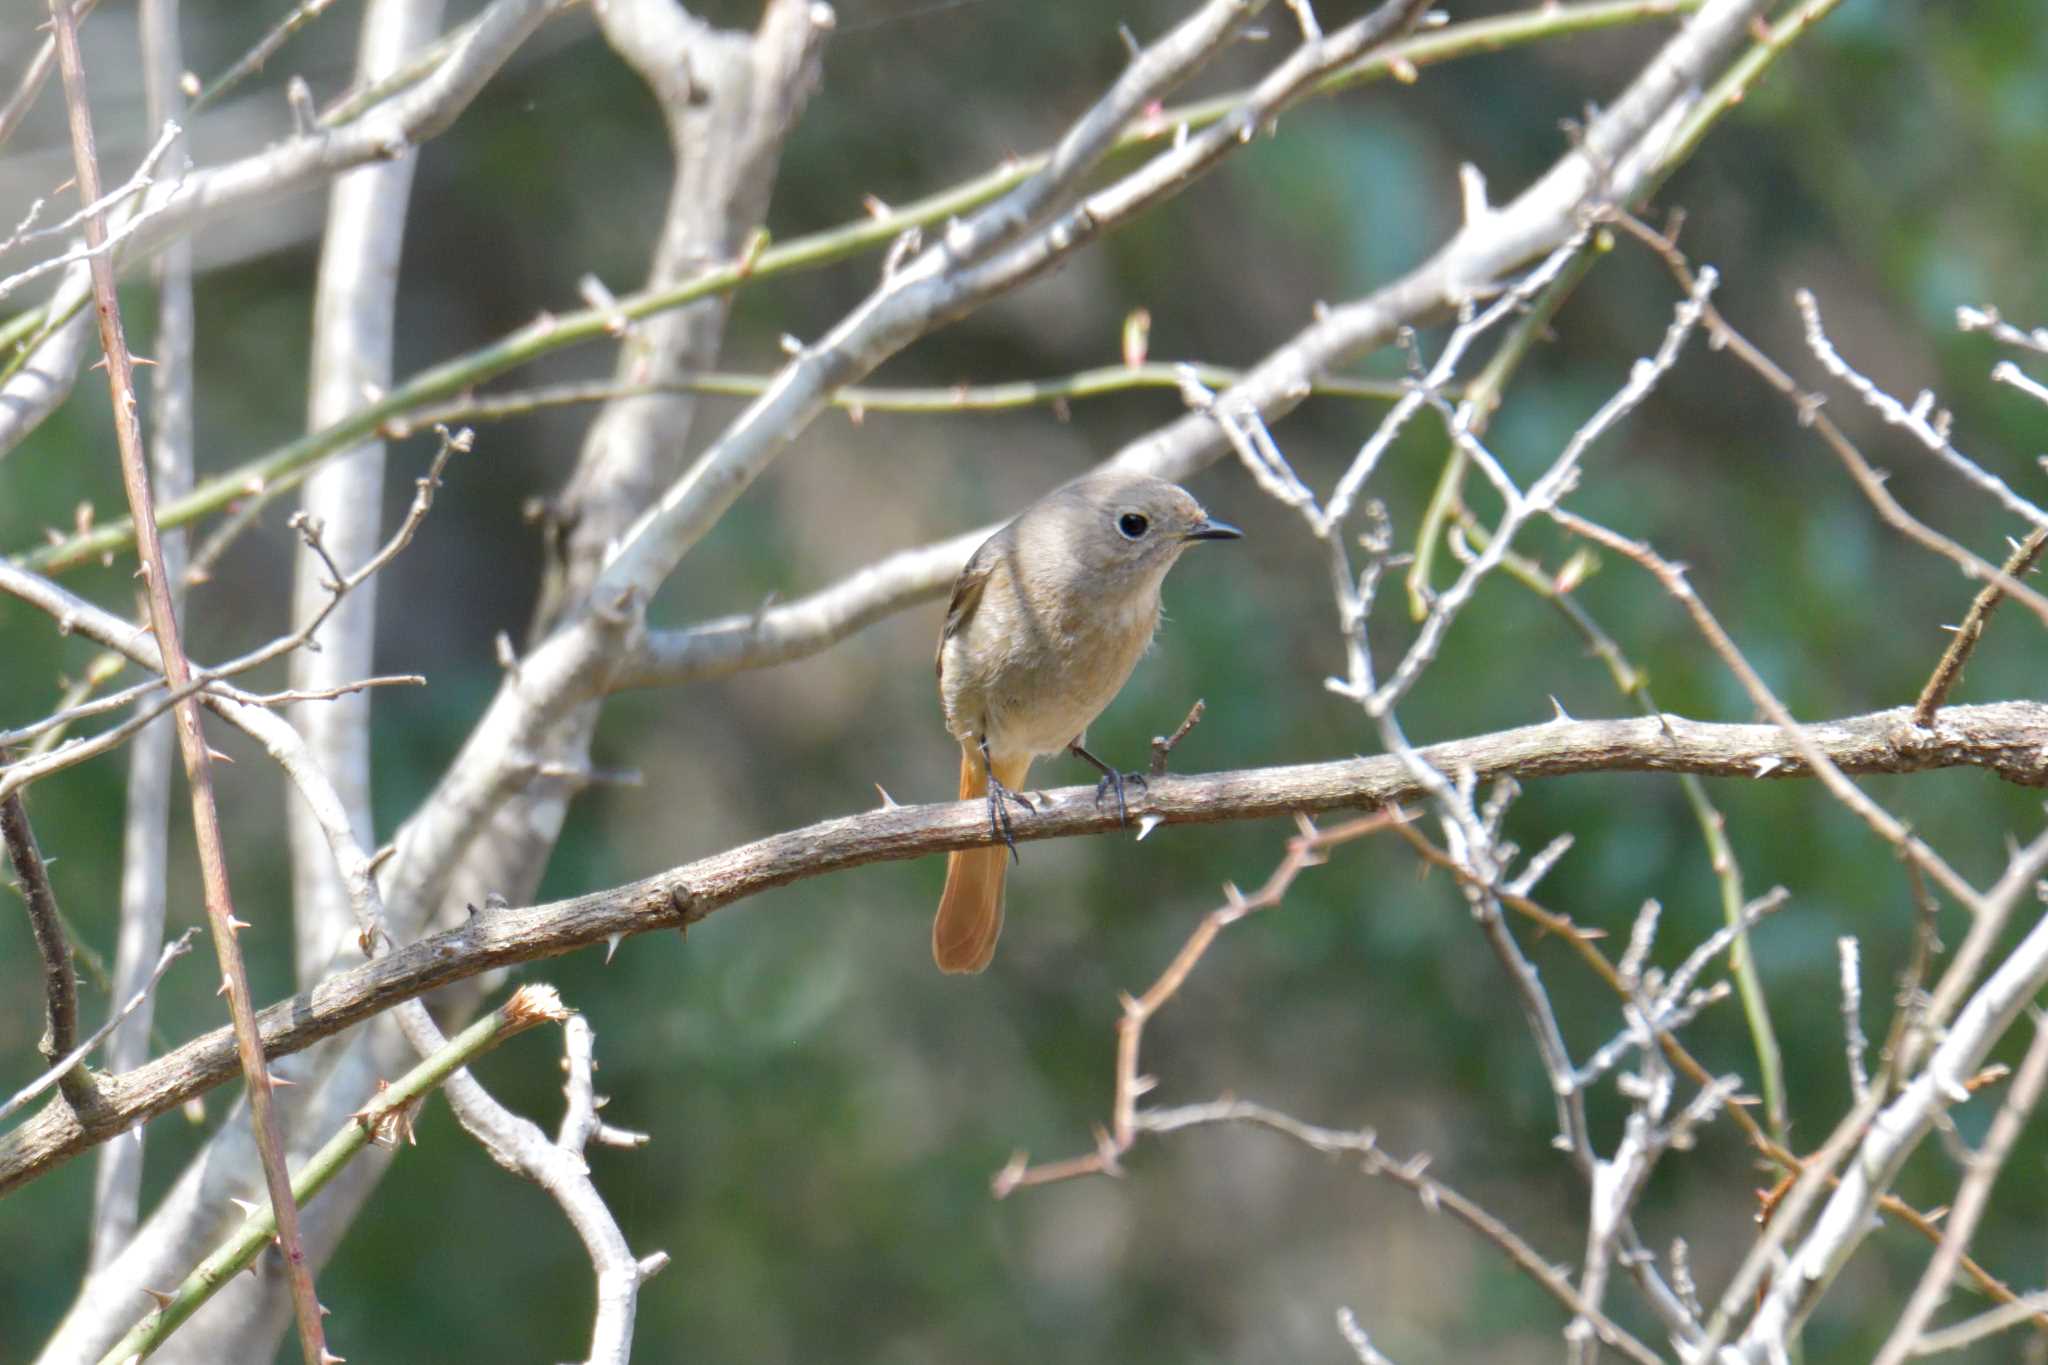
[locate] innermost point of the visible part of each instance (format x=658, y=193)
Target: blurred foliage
x=826, y=1110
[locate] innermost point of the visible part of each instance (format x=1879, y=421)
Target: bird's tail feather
x=971, y=907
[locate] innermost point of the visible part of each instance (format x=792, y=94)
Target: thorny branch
x=220, y=908
x=60, y=982
x=2008, y=738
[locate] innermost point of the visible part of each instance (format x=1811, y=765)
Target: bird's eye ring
x=1132, y=524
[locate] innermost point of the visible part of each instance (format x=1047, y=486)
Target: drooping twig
x=1413, y=1175
x=1307, y=849
x=177, y=673
x=1886, y=825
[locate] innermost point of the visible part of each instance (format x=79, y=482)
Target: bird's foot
x=1000, y=798
x=1112, y=780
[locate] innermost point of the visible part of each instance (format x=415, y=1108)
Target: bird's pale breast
x=1031, y=671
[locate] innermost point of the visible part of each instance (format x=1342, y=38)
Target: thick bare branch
x=2008, y=738
x=1487, y=249
x=354, y=320
x=934, y=288
x=1971, y=1201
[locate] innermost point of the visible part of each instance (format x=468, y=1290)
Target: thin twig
x=1970, y=1331
x=1811, y=414
x=1927, y=423
x=172, y=951
x=1307, y=849
x=1411, y=1174
x=1854, y=1043
x=1950, y=669
x=1673, y=579
x=250, y=62
x=177, y=672
x=860, y=400
x=60, y=983
x=34, y=78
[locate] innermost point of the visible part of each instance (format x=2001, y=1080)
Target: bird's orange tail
x=971, y=907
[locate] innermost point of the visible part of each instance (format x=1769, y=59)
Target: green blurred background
x=826, y=1110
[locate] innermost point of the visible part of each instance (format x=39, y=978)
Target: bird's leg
x=1111, y=780
x=998, y=814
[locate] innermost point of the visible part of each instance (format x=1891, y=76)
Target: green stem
x=289, y=464
x=1001, y=397
x=1634, y=684
x=529, y=1005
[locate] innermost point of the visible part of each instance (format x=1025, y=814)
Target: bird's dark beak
x=1208, y=528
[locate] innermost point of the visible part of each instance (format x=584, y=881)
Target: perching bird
x=1047, y=620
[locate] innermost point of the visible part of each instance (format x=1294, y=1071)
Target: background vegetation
x=826, y=1109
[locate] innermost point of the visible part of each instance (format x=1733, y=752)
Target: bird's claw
x=1113, y=780
x=999, y=815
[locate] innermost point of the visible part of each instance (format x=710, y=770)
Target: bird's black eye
x=1132, y=525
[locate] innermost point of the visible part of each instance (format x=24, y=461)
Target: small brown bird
x=1046, y=622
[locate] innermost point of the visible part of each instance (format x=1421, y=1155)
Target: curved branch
x=1616, y=160
x=2007, y=738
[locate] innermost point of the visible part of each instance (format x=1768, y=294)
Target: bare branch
x=1971, y=1201
x=2008, y=738
x=387, y=1119
x=172, y=951
x=60, y=983
x=250, y=62
x=145, y=836
x=1964, y=642
x=1811, y=414
x=354, y=318
x=1970, y=1331
x=1925, y=422
x=1880, y=820
x=1411, y=1174
x=1854, y=1043
x=1986, y=319
x=220, y=908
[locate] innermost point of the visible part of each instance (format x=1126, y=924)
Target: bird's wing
x=966, y=595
